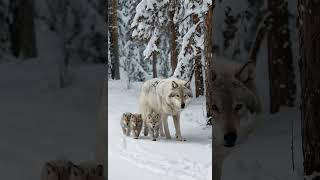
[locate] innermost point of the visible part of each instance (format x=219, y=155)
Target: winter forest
x=184, y=39
x=52, y=66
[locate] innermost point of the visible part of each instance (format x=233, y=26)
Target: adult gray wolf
x=166, y=97
x=235, y=100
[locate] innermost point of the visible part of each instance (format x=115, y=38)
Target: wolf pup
x=152, y=125
x=166, y=97
x=234, y=99
x=56, y=170
x=125, y=123
x=92, y=170
x=136, y=124
x=77, y=173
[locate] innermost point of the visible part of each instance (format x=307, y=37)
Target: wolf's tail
x=101, y=153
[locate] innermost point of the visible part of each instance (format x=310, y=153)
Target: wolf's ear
x=140, y=116
x=246, y=72
x=174, y=84
x=187, y=85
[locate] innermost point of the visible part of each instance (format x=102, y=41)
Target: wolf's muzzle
x=230, y=139
x=183, y=105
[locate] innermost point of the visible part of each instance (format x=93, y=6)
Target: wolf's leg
x=152, y=133
x=161, y=129
x=156, y=133
x=165, y=126
x=128, y=131
x=145, y=129
x=123, y=130
x=176, y=122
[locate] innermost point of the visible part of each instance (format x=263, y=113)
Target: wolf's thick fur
x=136, y=124
x=167, y=97
x=152, y=125
x=235, y=99
x=125, y=123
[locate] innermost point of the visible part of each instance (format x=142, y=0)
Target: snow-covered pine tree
x=153, y=17
x=191, y=41
x=149, y=23
x=130, y=52
x=236, y=24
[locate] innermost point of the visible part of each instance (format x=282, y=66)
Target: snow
x=163, y=159
x=39, y=123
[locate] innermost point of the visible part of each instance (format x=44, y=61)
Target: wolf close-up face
x=180, y=94
x=153, y=120
x=135, y=120
x=125, y=119
x=234, y=100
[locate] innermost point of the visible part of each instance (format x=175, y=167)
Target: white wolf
x=235, y=98
x=166, y=97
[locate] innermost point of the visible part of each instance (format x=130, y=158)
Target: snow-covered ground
x=39, y=123
x=142, y=158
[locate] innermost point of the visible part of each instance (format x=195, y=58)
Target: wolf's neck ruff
x=171, y=108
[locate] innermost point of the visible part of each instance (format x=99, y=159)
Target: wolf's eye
x=215, y=108
x=177, y=95
x=238, y=107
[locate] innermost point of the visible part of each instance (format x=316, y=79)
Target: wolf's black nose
x=230, y=139
x=183, y=105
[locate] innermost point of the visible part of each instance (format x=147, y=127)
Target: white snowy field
x=163, y=159
x=39, y=123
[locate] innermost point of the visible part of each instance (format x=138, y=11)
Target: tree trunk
x=114, y=35
x=154, y=65
x=209, y=69
x=197, y=63
x=22, y=29
x=261, y=31
x=173, y=31
x=281, y=73
x=310, y=85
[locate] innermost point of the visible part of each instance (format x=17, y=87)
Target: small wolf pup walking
x=166, y=97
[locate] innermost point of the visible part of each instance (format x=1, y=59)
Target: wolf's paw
x=162, y=135
x=168, y=137
x=135, y=137
x=181, y=138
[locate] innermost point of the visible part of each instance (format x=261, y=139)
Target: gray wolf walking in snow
x=125, y=123
x=136, y=124
x=235, y=100
x=166, y=97
x=152, y=125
